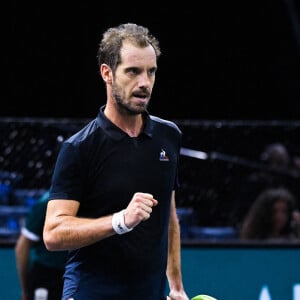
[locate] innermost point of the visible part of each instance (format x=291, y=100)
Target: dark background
x=220, y=59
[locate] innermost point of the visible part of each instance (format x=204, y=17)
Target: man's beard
x=126, y=108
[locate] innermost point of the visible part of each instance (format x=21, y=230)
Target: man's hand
x=177, y=295
x=139, y=209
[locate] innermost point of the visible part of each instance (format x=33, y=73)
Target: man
x=113, y=188
x=38, y=267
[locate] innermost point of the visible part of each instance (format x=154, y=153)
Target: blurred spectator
x=276, y=156
x=273, y=216
x=38, y=267
x=275, y=171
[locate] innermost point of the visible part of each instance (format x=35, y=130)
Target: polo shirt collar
x=115, y=132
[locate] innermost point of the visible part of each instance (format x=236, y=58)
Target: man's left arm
x=174, y=256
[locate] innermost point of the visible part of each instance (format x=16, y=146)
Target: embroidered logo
x=163, y=156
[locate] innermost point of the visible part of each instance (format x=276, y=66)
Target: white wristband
x=118, y=223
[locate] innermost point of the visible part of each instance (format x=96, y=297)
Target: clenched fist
x=139, y=209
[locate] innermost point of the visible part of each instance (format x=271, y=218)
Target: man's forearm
x=174, y=251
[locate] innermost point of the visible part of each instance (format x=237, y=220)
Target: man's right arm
x=63, y=230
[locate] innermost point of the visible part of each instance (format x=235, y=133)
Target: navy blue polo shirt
x=102, y=167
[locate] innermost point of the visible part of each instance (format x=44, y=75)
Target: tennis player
x=112, y=198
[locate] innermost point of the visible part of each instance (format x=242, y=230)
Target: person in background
x=112, y=197
x=37, y=267
x=273, y=216
x=276, y=171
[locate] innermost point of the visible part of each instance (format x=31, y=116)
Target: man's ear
x=106, y=73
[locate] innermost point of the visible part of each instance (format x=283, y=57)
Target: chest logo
x=163, y=156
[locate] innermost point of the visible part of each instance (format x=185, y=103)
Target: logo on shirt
x=163, y=156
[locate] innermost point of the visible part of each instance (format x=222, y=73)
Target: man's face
x=134, y=78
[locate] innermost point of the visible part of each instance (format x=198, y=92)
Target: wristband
x=118, y=223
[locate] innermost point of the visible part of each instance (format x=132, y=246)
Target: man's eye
x=133, y=71
x=152, y=71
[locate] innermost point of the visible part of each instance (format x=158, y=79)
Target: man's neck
x=131, y=124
